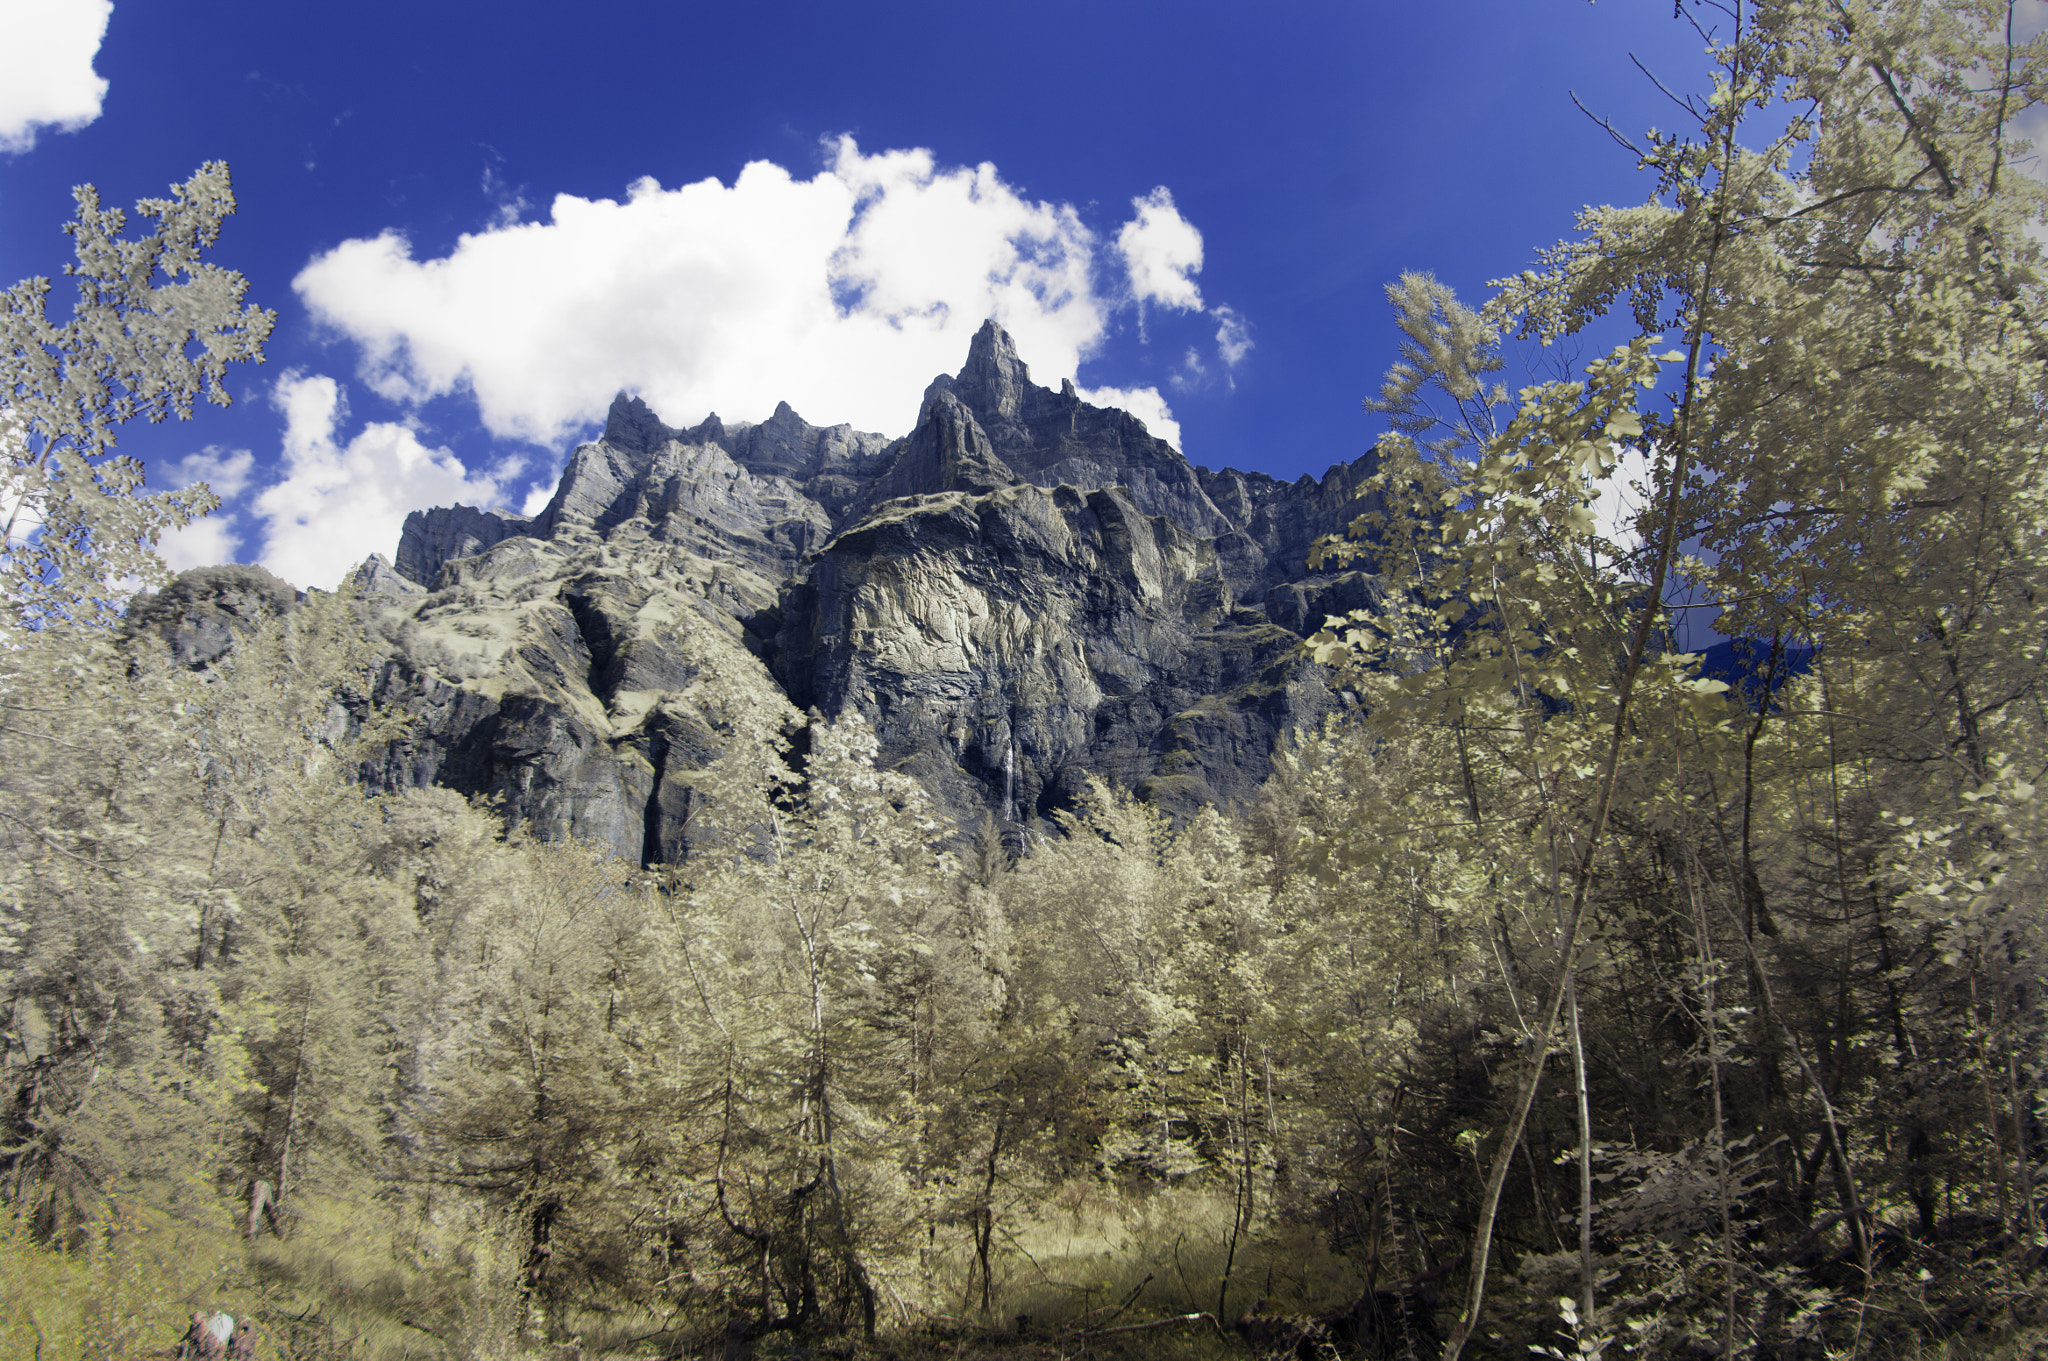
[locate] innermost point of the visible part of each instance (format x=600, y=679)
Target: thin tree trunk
x=1838, y=1151
x=849, y=1255
x=1242, y=1210
x=1710, y=984
x=984, y=1232
x=2022, y=1156
x=291, y=1105
x=1587, y=1280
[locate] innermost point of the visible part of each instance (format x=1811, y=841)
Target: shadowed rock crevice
x=600, y=645
x=650, y=815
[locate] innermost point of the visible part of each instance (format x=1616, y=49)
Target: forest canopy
x=1556, y=995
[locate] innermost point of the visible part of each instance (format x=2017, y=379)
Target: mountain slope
x=1025, y=590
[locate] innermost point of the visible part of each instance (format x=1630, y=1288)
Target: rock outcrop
x=580, y=679
x=1035, y=589
x=433, y=537
x=203, y=611
x=1056, y=439
x=1006, y=644
x=1024, y=590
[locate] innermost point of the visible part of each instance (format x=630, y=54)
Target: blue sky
x=478, y=222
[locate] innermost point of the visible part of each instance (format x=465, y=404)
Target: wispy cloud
x=509, y=200
x=1233, y=336
x=1233, y=343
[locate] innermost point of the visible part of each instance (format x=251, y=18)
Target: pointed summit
x=995, y=381
x=632, y=425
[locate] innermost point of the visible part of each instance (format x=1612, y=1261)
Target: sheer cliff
x=1024, y=590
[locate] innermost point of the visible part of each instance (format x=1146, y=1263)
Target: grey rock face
x=1024, y=590
x=1006, y=644
x=1057, y=439
x=1117, y=612
x=832, y=465
x=433, y=537
x=201, y=613
x=949, y=451
x=582, y=681
x=376, y=576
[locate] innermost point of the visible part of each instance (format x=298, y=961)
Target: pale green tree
x=1838, y=255
x=153, y=329
x=109, y=1043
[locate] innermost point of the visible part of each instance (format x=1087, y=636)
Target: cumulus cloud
x=1162, y=253
x=46, y=77
x=216, y=538
x=203, y=543
x=1144, y=403
x=842, y=294
x=340, y=502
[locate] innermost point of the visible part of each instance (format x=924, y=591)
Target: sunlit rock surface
x=1023, y=591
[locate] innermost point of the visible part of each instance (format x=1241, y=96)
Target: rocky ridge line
x=1025, y=590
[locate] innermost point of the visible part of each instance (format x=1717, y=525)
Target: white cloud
x=46, y=77
x=1233, y=343
x=20, y=512
x=842, y=294
x=226, y=471
x=203, y=543
x=1620, y=497
x=1162, y=252
x=537, y=497
x=339, y=503
x=1233, y=335
x=1144, y=403
x=217, y=537
x=512, y=204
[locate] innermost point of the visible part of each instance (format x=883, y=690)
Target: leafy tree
x=75, y=526
x=1842, y=251
x=826, y=897
x=1448, y=347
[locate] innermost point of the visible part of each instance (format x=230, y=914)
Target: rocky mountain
x=1024, y=590
x=200, y=614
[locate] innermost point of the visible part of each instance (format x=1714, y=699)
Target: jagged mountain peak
x=1023, y=590
x=632, y=425
x=995, y=381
